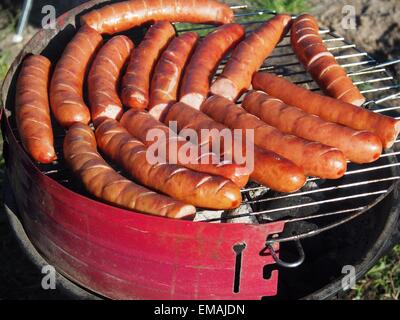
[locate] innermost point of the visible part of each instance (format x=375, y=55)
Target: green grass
x=3, y=65
x=382, y=281
x=282, y=6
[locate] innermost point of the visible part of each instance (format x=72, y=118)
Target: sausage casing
x=125, y=15
x=136, y=81
x=80, y=153
x=320, y=63
x=205, y=60
x=140, y=124
x=270, y=169
x=103, y=79
x=199, y=189
x=66, y=87
x=168, y=71
x=316, y=159
x=329, y=109
x=357, y=146
x=248, y=57
x=32, y=108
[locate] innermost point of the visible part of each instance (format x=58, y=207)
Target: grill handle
x=285, y=264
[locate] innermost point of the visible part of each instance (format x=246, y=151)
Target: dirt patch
x=377, y=25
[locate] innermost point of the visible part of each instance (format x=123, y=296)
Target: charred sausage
x=320, y=63
x=329, y=109
x=66, y=87
x=198, y=189
x=248, y=57
x=32, y=108
x=206, y=58
x=125, y=15
x=136, y=81
x=357, y=146
x=80, y=152
x=167, y=73
x=103, y=79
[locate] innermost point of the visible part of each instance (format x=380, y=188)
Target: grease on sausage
x=103, y=79
x=32, y=108
x=168, y=71
x=357, y=146
x=140, y=124
x=329, y=109
x=136, y=81
x=80, y=153
x=206, y=58
x=125, y=15
x=66, y=87
x=320, y=63
x=248, y=57
x=314, y=158
x=199, y=189
x=270, y=169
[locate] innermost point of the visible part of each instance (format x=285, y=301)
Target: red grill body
x=123, y=254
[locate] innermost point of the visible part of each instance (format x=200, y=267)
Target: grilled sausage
x=320, y=63
x=248, y=57
x=66, y=97
x=140, y=124
x=136, y=81
x=314, y=158
x=32, y=109
x=198, y=189
x=103, y=79
x=357, y=146
x=125, y=15
x=270, y=169
x=329, y=109
x=206, y=58
x=102, y=181
x=167, y=73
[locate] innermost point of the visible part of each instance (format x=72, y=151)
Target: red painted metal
x=122, y=254
x=126, y=255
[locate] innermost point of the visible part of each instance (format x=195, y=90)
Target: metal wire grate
x=321, y=204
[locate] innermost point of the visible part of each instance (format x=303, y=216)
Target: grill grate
x=320, y=204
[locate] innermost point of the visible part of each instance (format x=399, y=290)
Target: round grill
x=320, y=204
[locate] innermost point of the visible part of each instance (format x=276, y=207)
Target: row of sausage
x=169, y=78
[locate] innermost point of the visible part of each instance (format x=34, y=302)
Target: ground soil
x=377, y=25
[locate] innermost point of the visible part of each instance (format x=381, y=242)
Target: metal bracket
x=285, y=264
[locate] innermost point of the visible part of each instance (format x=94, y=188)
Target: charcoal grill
x=221, y=255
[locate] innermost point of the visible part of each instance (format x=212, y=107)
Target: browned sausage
x=140, y=124
x=198, y=189
x=206, y=58
x=102, y=181
x=167, y=73
x=66, y=97
x=269, y=169
x=357, y=146
x=248, y=57
x=329, y=109
x=32, y=108
x=103, y=79
x=136, y=81
x=315, y=158
x=125, y=15
x=320, y=63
